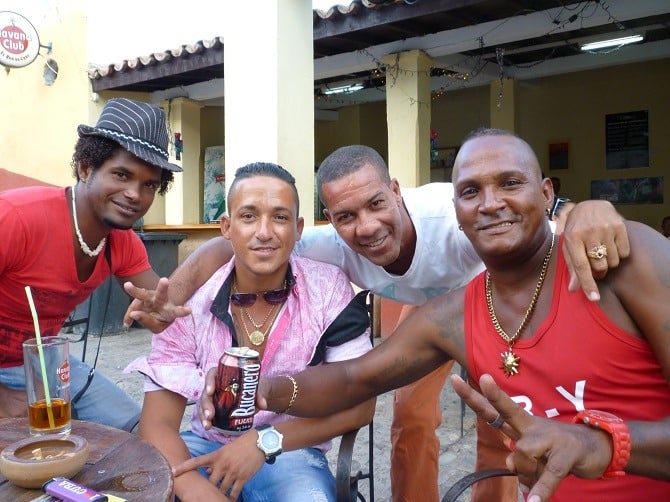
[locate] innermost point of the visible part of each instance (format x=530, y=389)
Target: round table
x=119, y=463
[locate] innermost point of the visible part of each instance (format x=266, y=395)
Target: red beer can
x=235, y=391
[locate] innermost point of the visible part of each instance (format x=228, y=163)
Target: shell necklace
x=82, y=244
x=510, y=361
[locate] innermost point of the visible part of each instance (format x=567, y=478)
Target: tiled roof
x=345, y=9
x=95, y=72
x=352, y=7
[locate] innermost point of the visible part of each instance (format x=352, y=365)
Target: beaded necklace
x=82, y=244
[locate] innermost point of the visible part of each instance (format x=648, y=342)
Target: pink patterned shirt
x=183, y=353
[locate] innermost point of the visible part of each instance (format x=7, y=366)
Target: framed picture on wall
x=627, y=140
x=447, y=155
x=440, y=167
x=647, y=190
x=559, y=155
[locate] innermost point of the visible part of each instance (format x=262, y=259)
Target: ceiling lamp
x=343, y=89
x=614, y=42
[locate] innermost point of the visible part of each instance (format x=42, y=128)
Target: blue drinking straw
x=45, y=381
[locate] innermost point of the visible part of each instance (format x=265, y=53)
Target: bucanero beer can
x=235, y=390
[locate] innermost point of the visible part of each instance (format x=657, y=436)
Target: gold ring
x=598, y=252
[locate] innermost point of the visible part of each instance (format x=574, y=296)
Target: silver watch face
x=271, y=440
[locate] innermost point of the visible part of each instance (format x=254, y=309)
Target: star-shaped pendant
x=510, y=363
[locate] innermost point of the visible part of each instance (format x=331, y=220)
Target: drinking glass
x=47, y=370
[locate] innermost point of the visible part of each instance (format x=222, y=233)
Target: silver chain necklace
x=82, y=244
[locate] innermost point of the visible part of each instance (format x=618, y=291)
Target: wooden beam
x=206, y=59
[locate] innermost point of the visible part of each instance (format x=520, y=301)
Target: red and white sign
x=19, y=42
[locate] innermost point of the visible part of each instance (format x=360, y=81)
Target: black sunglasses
x=558, y=204
x=274, y=296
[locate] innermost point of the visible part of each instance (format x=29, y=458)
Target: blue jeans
x=296, y=476
x=103, y=402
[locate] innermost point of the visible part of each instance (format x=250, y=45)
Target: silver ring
x=497, y=422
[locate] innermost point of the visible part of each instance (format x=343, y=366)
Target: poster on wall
x=214, y=199
x=629, y=191
x=559, y=155
x=627, y=140
x=442, y=164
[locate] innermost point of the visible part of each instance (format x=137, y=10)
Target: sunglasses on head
x=273, y=297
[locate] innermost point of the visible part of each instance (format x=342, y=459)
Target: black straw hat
x=138, y=127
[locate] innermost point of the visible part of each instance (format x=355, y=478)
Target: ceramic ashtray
x=31, y=462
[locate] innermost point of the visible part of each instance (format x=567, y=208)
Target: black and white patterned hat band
x=138, y=127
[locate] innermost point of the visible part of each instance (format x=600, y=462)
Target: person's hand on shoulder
x=152, y=308
x=590, y=226
x=545, y=451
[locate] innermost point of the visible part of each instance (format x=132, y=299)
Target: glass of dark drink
x=47, y=370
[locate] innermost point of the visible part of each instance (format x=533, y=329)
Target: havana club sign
x=19, y=42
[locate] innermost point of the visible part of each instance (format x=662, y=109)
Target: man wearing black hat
x=64, y=243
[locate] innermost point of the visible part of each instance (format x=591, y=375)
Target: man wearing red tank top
x=588, y=381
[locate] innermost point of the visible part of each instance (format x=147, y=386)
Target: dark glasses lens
x=276, y=295
x=273, y=297
x=243, y=299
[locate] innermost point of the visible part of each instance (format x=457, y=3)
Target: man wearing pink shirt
x=291, y=310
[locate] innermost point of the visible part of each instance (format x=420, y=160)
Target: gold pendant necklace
x=510, y=361
x=257, y=337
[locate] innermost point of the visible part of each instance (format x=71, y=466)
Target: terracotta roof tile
x=96, y=71
x=102, y=71
x=352, y=7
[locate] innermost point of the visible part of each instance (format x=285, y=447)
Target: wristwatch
x=269, y=442
x=620, y=438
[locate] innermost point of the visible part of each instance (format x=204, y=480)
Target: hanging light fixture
x=614, y=42
x=343, y=89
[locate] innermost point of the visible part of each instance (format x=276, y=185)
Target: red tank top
x=577, y=359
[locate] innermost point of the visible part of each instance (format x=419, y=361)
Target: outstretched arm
x=426, y=339
x=590, y=224
x=198, y=267
x=156, y=309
